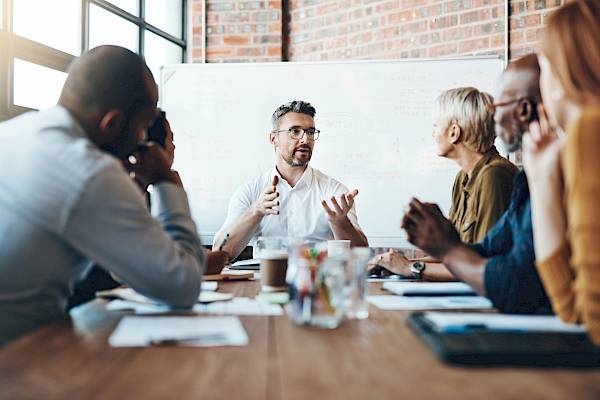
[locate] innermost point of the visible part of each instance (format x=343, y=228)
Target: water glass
x=356, y=284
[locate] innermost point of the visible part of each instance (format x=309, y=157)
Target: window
x=131, y=6
x=36, y=86
x=122, y=32
x=165, y=15
x=160, y=52
x=56, y=24
x=40, y=38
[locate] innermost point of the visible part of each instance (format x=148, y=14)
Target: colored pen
x=224, y=241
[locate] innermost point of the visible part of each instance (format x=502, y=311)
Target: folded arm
x=160, y=257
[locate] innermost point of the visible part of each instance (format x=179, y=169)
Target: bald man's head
x=521, y=78
x=111, y=92
x=519, y=88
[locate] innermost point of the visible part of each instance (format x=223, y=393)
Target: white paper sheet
x=428, y=288
x=129, y=294
x=136, y=331
x=445, y=322
x=237, y=306
x=240, y=306
x=391, y=278
x=209, y=286
x=247, y=263
x=429, y=303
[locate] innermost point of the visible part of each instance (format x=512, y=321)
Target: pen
x=468, y=328
x=223, y=243
x=187, y=339
x=442, y=294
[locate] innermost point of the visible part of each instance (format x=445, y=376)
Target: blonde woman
x=463, y=131
x=563, y=173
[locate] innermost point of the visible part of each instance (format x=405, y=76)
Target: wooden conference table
x=379, y=358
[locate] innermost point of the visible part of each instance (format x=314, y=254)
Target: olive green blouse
x=479, y=201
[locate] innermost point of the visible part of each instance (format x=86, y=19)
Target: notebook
x=252, y=264
x=229, y=275
x=138, y=331
x=540, y=342
x=429, y=288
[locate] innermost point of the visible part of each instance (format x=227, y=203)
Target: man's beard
x=293, y=161
x=516, y=139
x=513, y=146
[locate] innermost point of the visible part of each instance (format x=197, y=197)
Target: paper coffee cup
x=273, y=269
x=337, y=248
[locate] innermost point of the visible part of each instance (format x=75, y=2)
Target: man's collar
x=306, y=178
x=65, y=118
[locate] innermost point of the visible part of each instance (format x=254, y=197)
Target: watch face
x=418, y=267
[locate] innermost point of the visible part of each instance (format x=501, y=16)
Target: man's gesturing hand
x=339, y=213
x=268, y=202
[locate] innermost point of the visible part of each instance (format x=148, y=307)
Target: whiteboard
x=374, y=117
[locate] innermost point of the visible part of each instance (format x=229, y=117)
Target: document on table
x=209, y=286
x=129, y=294
x=237, y=306
x=429, y=288
x=229, y=275
x=138, y=331
x=461, y=322
x=251, y=264
x=240, y=306
x=391, y=278
x=429, y=303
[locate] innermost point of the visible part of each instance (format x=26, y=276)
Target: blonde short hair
x=471, y=110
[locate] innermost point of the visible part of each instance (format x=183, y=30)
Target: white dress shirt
x=64, y=202
x=301, y=214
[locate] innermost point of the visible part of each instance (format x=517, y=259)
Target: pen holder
x=316, y=288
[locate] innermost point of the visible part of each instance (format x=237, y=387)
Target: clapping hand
x=428, y=229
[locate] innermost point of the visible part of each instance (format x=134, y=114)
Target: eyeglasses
x=492, y=107
x=297, y=133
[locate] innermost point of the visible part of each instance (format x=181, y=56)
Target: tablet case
x=479, y=347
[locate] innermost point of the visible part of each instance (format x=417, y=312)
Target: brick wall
x=237, y=31
x=526, y=24
x=363, y=29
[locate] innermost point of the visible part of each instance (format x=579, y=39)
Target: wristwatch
x=417, y=269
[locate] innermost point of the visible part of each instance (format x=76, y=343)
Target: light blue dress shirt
x=65, y=203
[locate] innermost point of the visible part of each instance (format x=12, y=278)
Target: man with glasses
x=292, y=199
x=502, y=266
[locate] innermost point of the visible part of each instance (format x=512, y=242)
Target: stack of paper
x=129, y=294
x=135, y=331
x=237, y=306
x=240, y=306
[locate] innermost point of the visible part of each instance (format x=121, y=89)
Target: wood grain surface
x=378, y=358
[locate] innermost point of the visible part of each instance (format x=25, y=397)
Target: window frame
x=14, y=46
